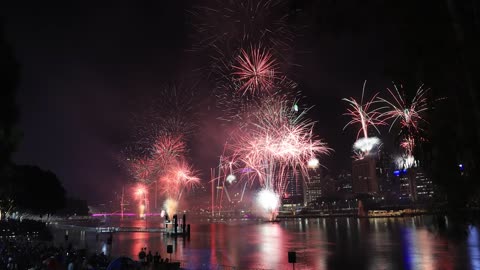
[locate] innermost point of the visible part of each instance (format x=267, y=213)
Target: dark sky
x=85, y=65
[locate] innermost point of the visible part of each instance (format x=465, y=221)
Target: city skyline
x=90, y=105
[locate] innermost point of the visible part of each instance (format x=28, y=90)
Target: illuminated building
x=407, y=186
x=294, y=192
x=424, y=186
x=415, y=185
x=313, y=189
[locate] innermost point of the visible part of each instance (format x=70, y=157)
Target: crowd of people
x=22, y=248
x=155, y=262
x=24, y=253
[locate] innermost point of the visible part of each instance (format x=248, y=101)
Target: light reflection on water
x=340, y=243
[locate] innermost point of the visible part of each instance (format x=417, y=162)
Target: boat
x=384, y=213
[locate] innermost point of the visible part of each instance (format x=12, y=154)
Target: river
x=321, y=243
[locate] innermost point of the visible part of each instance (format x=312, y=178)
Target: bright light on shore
x=231, y=178
x=313, y=163
x=268, y=200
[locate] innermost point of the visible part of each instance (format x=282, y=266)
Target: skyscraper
x=364, y=176
x=313, y=188
x=424, y=186
x=294, y=192
x=344, y=183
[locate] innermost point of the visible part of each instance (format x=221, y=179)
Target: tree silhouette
x=35, y=190
x=8, y=109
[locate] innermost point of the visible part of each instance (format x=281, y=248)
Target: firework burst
x=233, y=24
x=178, y=178
x=276, y=141
x=161, y=134
x=254, y=70
x=362, y=114
x=142, y=170
x=409, y=115
x=365, y=116
x=234, y=104
x=167, y=148
x=141, y=193
x=172, y=112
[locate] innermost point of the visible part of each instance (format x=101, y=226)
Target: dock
x=169, y=231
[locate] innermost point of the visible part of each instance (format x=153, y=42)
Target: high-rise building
x=424, y=186
x=364, y=176
x=344, y=183
x=294, y=192
x=313, y=188
x=415, y=185
x=388, y=183
x=328, y=186
x=406, y=185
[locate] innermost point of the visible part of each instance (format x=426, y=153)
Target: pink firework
x=142, y=170
x=169, y=146
x=408, y=113
x=407, y=159
x=363, y=114
x=165, y=150
x=230, y=24
x=254, y=70
x=140, y=191
x=408, y=145
x=178, y=177
x=275, y=142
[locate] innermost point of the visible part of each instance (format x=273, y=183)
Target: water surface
x=323, y=243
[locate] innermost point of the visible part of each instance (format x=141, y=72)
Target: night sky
x=86, y=69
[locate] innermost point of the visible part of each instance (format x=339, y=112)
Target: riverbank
x=28, y=244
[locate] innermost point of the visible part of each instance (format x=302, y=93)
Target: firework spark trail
x=167, y=167
x=173, y=112
x=167, y=148
x=178, y=178
x=409, y=113
x=363, y=114
x=233, y=24
x=141, y=192
x=235, y=105
x=366, y=116
x=161, y=135
x=142, y=170
x=408, y=146
x=254, y=70
x=275, y=142
x=408, y=143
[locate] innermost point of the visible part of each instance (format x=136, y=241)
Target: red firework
x=168, y=147
x=142, y=170
x=276, y=141
x=254, y=70
x=363, y=114
x=408, y=144
x=408, y=113
x=178, y=177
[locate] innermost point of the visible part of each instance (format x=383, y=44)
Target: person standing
x=141, y=256
x=149, y=257
x=156, y=259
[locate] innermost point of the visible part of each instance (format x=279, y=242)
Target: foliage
x=35, y=190
x=8, y=109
